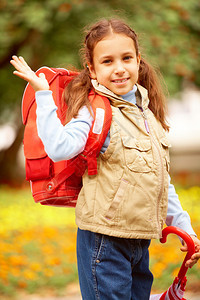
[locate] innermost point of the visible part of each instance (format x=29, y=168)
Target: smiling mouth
x=120, y=80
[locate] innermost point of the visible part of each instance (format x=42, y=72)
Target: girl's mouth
x=120, y=81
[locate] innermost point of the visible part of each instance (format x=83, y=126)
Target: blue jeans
x=112, y=268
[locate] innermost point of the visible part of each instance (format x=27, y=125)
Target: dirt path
x=73, y=293
x=77, y=296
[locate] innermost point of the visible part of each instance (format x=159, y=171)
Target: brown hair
x=76, y=93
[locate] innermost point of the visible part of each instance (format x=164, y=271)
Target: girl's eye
x=107, y=61
x=127, y=57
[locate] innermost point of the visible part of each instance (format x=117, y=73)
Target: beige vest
x=128, y=197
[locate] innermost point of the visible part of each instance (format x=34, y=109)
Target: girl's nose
x=119, y=68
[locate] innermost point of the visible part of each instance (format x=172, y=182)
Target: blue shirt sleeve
x=176, y=216
x=61, y=142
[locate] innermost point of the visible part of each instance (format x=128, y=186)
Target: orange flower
x=15, y=272
x=22, y=284
x=16, y=260
x=53, y=261
x=30, y=275
x=3, y=274
x=48, y=272
x=157, y=269
x=34, y=266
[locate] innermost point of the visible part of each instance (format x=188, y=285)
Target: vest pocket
x=165, y=147
x=138, y=154
x=118, y=198
x=165, y=143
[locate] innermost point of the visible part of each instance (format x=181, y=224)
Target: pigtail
x=149, y=79
x=76, y=94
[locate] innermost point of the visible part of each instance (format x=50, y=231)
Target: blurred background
x=50, y=33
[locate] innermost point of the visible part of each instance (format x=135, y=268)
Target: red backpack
x=59, y=183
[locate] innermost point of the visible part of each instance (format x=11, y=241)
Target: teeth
x=119, y=81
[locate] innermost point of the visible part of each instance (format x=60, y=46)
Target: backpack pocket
x=38, y=169
x=38, y=165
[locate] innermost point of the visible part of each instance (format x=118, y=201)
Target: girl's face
x=115, y=64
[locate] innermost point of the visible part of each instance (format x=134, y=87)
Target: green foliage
x=50, y=32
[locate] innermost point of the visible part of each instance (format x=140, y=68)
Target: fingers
x=184, y=248
x=196, y=256
x=19, y=60
x=193, y=260
x=190, y=263
x=15, y=63
x=24, y=63
x=20, y=64
x=21, y=75
x=23, y=71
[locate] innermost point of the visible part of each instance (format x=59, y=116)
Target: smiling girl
x=126, y=204
x=115, y=67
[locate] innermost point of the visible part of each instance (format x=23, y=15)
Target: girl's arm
x=176, y=216
x=61, y=142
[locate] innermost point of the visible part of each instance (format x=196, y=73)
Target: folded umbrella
x=177, y=289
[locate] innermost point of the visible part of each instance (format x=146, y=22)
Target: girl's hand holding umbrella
x=196, y=256
x=191, y=244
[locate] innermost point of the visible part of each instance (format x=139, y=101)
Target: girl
x=125, y=205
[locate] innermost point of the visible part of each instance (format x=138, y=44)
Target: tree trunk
x=11, y=172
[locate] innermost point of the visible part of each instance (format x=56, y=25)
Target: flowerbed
x=166, y=259
x=37, y=244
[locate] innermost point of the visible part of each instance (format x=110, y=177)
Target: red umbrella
x=176, y=290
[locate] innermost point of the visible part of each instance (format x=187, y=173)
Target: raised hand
x=23, y=71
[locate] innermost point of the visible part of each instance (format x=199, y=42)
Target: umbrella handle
x=189, y=241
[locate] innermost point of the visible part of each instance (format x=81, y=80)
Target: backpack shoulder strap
x=97, y=135
x=99, y=130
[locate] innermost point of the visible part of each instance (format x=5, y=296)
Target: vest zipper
x=145, y=121
x=145, y=118
x=161, y=169
x=161, y=188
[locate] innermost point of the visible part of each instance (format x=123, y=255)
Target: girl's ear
x=92, y=71
x=138, y=59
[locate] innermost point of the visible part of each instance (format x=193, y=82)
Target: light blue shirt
x=64, y=142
